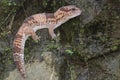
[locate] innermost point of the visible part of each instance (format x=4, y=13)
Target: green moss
x=68, y=51
x=114, y=48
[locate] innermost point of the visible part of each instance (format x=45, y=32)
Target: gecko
x=39, y=21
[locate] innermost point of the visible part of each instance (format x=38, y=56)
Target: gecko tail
x=19, y=62
x=18, y=53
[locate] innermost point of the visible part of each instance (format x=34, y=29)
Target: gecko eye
x=73, y=9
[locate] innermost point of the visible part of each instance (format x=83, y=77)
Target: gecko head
x=70, y=11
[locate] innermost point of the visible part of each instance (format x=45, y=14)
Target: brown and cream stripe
x=18, y=53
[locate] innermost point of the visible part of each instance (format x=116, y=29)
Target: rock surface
x=103, y=68
x=43, y=70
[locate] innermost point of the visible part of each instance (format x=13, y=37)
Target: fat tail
x=18, y=53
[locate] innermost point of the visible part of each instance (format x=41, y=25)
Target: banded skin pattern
x=39, y=21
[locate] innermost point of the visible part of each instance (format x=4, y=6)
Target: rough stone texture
x=43, y=70
x=107, y=68
x=103, y=68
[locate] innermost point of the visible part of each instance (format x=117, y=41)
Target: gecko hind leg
x=35, y=37
x=30, y=31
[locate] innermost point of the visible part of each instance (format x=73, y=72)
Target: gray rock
x=44, y=70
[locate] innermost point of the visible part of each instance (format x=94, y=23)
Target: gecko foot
x=54, y=36
x=36, y=38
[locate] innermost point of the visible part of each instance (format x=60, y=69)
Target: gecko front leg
x=51, y=32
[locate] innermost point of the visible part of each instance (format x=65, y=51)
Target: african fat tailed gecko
x=39, y=21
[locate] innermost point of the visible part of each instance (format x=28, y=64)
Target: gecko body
x=39, y=21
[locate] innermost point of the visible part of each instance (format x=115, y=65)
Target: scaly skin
x=36, y=22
